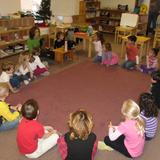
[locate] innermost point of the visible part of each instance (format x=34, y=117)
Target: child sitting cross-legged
x=151, y=62
x=36, y=66
x=108, y=57
x=23, y=69
x=34, y=139
x=8, y=76
x=128, y=137
x=9, y=115
x=132, y=54
x=80, y=142
x=149, y=112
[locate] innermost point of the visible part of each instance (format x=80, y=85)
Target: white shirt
x=98, y=47
x=37, y=62
x=4, y=77
x=23, y=71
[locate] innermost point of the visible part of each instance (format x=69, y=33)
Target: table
x=124, y=31
x=85, y=37
x=142, y=41
x=59, y=54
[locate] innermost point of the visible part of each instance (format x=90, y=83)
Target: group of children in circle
x=106, y=56
x=80, y=142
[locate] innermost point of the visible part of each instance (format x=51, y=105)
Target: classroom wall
x=9, y=6
x=114, y=3
x=65, y=7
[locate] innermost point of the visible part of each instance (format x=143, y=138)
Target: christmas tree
x=44, y=12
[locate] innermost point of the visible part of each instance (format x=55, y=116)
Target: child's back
x=80, y=149
x=80, y=142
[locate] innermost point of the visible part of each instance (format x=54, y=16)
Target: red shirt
x=27, y=135
x=132, y=52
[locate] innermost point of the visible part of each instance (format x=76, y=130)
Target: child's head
x=154, y=51
x=32, y=59
x=155, y=77
x=132, y=39
x=80, y=125
x=8, y=67
x=34, y=32
x=99, y=37
x=4, y=90
x=147, y=104
x=131, y=111
x=30, y=109
x=107, y=47
x=60, y=35
x=24, y=57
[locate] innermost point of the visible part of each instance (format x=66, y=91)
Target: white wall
x=114, y=3
x=9, y=6
x=65, y=7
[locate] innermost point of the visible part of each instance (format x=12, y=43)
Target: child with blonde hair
x=23, y=69
x=80, y=142
x=128, y=137
x=9, y=115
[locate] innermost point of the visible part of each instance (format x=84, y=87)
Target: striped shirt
x=151, y=124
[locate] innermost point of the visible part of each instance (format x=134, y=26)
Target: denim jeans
x=128, y=64
x=9, y=125
x=97, y=59
x=15, y=81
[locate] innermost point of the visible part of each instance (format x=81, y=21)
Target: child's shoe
x=26, y=82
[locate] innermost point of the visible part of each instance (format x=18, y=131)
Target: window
x=30, y=5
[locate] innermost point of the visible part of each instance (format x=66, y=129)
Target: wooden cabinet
x=109, y=19
x=13, y=35
x=142, y=24
x=91, y=10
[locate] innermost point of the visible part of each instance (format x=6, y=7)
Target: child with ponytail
x=128, y=137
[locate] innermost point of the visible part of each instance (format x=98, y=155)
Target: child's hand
x=110, y=125
x=18, y=107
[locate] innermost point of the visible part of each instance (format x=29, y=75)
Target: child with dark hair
x=98, y=42
x=80, y=143
x=151, y=62
x=34, y=139
x=108, y=57
x=149, y=113
x=155, y=88
x=132, y=53
x=60, y=40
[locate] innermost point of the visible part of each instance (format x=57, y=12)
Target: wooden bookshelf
x=14, y=32
x=91, y=10
x=109, y=19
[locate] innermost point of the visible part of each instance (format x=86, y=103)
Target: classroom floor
x=99, y=90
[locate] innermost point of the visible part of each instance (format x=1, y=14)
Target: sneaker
x=26, y=82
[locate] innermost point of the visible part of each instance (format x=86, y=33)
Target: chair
x=128, y=26
x=156, y=37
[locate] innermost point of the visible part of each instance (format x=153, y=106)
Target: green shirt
x=32, y=43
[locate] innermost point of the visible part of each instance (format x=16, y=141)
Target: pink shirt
x=134, y=142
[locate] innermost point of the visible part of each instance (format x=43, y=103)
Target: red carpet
x=92, y=87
